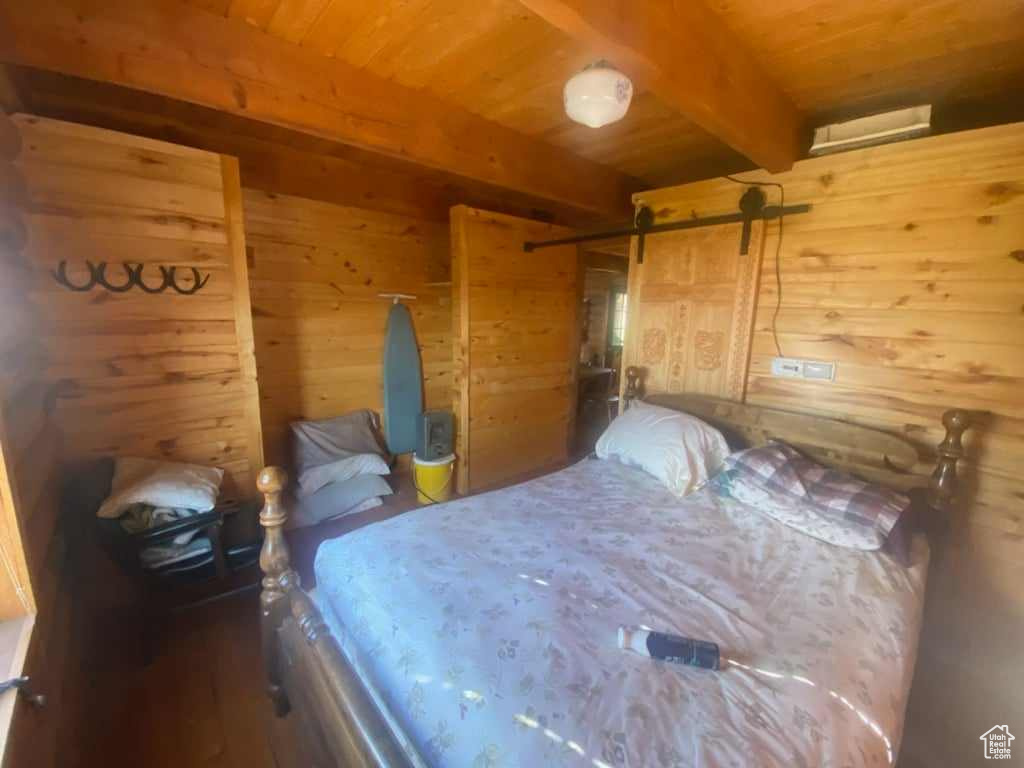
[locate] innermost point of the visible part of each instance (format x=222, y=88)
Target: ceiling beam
x=271, y=159
x=169, y=48
x=281, y=169
x=683, y=53
x=264, y=165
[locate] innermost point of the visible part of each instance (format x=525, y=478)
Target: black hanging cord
x=778, y=253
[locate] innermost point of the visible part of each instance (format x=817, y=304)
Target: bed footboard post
x=278, y=577
x=634, y=389
x=943, y=485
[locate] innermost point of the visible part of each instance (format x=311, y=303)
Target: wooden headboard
x=869, y=453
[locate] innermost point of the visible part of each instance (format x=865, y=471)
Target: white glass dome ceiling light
x=598, y=95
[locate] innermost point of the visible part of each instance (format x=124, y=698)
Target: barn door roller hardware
x=752, y=207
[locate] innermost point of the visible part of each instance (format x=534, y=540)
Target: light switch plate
x=787, y=367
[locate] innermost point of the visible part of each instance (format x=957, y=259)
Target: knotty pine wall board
x=315, y=271
x=909, y=274
x=516, y=346
x=134, y=374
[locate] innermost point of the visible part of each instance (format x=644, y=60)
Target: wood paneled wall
x=162, y=375
x=516, y=318
x=315, y=271
x=909, y=274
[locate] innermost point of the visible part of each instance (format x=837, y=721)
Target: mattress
x=487, y=628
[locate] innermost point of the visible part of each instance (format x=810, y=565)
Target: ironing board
x=403, y=381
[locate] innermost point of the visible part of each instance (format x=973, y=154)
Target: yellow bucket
x=433, y=478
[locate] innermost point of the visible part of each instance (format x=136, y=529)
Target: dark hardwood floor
x=200, y=703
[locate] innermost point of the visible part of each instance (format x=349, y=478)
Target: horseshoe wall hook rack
x=133, y=278
x=61, y=276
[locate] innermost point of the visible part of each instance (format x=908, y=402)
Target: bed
x=482, y=632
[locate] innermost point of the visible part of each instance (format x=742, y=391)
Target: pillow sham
x=355, y=495
x=161, y=484
x=312, y=480
x=825, y=503
x=678, y=449
x=315, y=443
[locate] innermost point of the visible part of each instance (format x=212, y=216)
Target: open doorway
x=604, y=315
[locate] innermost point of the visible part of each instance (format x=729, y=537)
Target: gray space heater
x=435, y=435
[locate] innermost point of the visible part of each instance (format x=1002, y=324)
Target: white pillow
x=678, y=449
x=312, y=480
x=161, y=484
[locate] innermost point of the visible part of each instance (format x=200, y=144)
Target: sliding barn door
x=691, y=310
x=516, y=344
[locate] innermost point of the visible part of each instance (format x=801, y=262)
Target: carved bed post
x=943, y=484
x=278, y=577
x=634, y=386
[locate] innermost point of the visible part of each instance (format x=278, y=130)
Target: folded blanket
x=143, y=517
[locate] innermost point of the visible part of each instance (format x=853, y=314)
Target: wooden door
x=691, y=310
x=516, y=345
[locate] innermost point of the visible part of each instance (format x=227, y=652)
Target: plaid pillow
x=823, y=502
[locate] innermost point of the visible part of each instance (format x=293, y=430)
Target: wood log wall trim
x=909, y=273
x=163, y=375
x=516, y=344
x=316, y=269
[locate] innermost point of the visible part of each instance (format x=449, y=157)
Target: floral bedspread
x=488, y=627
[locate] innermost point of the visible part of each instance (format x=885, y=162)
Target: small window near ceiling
x=617, y=327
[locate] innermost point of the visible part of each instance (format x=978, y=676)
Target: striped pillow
x=825, y=503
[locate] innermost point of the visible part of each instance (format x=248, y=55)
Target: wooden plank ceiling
x=501, y=62
x=834, y=58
